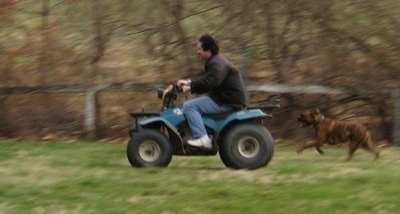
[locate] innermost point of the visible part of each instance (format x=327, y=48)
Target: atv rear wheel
x=247, y=146
x=149, y=148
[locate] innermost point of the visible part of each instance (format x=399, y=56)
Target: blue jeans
x=195, y=108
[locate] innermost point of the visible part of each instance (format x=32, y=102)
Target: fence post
x=396, y=101
x=90, y=114
x=245, y=67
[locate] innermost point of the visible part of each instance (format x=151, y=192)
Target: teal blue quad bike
x=239, y=136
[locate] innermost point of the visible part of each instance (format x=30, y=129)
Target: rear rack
x=267, y=107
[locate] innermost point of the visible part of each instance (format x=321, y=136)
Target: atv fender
x=218, y=126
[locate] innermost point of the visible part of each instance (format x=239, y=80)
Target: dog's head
x=310, y=117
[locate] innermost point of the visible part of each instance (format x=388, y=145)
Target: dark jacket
x=223, y=83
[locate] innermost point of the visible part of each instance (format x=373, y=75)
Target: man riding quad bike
x=216, y=121
x=239, y=136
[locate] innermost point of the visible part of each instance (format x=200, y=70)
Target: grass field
x=97, y=178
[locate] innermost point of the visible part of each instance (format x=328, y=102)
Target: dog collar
x=322, y=119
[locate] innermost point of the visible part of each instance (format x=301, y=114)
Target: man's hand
x=180, y=83
x=184, y=85
x=186, y=88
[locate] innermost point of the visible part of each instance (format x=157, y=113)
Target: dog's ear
x=315, y=111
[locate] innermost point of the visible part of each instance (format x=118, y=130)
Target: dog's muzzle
x=302, y=120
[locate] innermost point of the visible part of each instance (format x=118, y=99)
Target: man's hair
x=209, y=43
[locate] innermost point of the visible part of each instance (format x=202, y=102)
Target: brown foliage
x=6, y=9
x=347, y=44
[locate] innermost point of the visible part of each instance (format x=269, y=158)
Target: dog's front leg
x=318, y=148
x=315, y=143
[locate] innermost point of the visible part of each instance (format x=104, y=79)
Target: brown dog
x=333, y=132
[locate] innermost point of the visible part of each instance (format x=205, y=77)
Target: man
x=222, y=82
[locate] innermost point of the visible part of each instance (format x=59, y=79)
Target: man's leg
x=193, y=109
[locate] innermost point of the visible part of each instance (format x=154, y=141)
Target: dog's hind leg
x=352, y=148
x=370, y=148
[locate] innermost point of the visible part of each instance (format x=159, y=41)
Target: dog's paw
x=300, y=149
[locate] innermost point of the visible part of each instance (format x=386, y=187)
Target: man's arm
x=215, y=75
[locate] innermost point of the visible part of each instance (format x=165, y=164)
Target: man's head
x=207, y=46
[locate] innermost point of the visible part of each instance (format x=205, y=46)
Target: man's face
x=202, y=53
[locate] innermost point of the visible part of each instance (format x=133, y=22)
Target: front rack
x=137, y=115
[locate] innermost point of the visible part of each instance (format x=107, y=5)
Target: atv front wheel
x=149, y=148
x=247, y=146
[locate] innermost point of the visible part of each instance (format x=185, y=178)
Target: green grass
x=97, y=178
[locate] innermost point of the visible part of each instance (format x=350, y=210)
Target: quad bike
x=239, y=136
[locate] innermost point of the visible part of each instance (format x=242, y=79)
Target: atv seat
x=219, y=116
